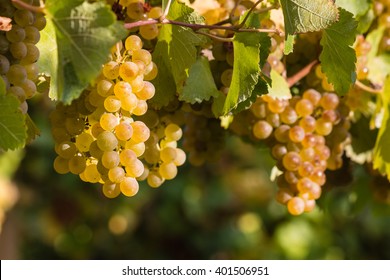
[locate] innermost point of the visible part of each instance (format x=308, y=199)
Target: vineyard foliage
x=299, y=76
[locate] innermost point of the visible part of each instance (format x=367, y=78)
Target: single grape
x=111, y=190
x=107, y=141
x=129, y=186
x=292, y=161
x=262, y=129
x=296, y=206
x=110, y=159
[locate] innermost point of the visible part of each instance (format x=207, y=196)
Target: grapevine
x=145, y=88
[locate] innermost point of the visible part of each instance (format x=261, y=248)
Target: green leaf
x=379, y=69
x=260, y=89
x=308, y=15
x=265, y=48
x=381, y=159
x=279, y=87
x=77, y=42
x=379, y=65
x=32, y=130
x=356, y=7
x=3, y=89
x=9, y=162
x=164, y=4
x=246, y=66
x=363, y=138
x=48, y=60
x=338, y=58
x=200, y=85
x=175, y=52
x=375, y=38
x=361, y=9
x=13, y=132
x=289, y=44
x=164, y=82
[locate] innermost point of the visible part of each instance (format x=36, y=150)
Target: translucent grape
x=61, y=165
x=296, y=206
x=141, y=132
x=129, y=186
x=168, y=171
x=135, y=169
x=110, y=159
x=107, y=141
x=133, y=43
x=116, y=174
x=92, y=174
x=173, y=132
x=111, y=190
x=154, y=179
x=262, y=129
x=292, y=161
x=149, y=32
x=77, y=164
x=83, y=141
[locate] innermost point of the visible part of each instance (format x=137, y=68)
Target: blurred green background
x=224, y=210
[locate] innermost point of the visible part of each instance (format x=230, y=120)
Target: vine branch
x=364, y=87
x=249, y=13
x=29, y=7
x=196, y=27
x=166, y=11
x=301, y=74
x=222, y=39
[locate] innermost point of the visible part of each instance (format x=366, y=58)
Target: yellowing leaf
x=279, y=88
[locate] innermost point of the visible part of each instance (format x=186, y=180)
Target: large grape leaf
x=246, y=65
x=200, y=85
x=338, y=58
x=381, y=150
x=308, y=15
x=76, y=42
x=175, y=52
x=13, y=132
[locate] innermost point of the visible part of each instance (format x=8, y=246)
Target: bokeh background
x=223, y=210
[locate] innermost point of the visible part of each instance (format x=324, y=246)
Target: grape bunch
x=307, y=135
x=98, y=136
x=19, y=53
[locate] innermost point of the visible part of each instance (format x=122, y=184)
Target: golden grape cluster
x=98, y=136
x=306, y=135
x=19, y=53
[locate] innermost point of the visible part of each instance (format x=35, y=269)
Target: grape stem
x=197, y=27
x=364, y=87
x=249, y=13
x=29, y=7
x=301, y=74
x=212, y=36
x=166, y=11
